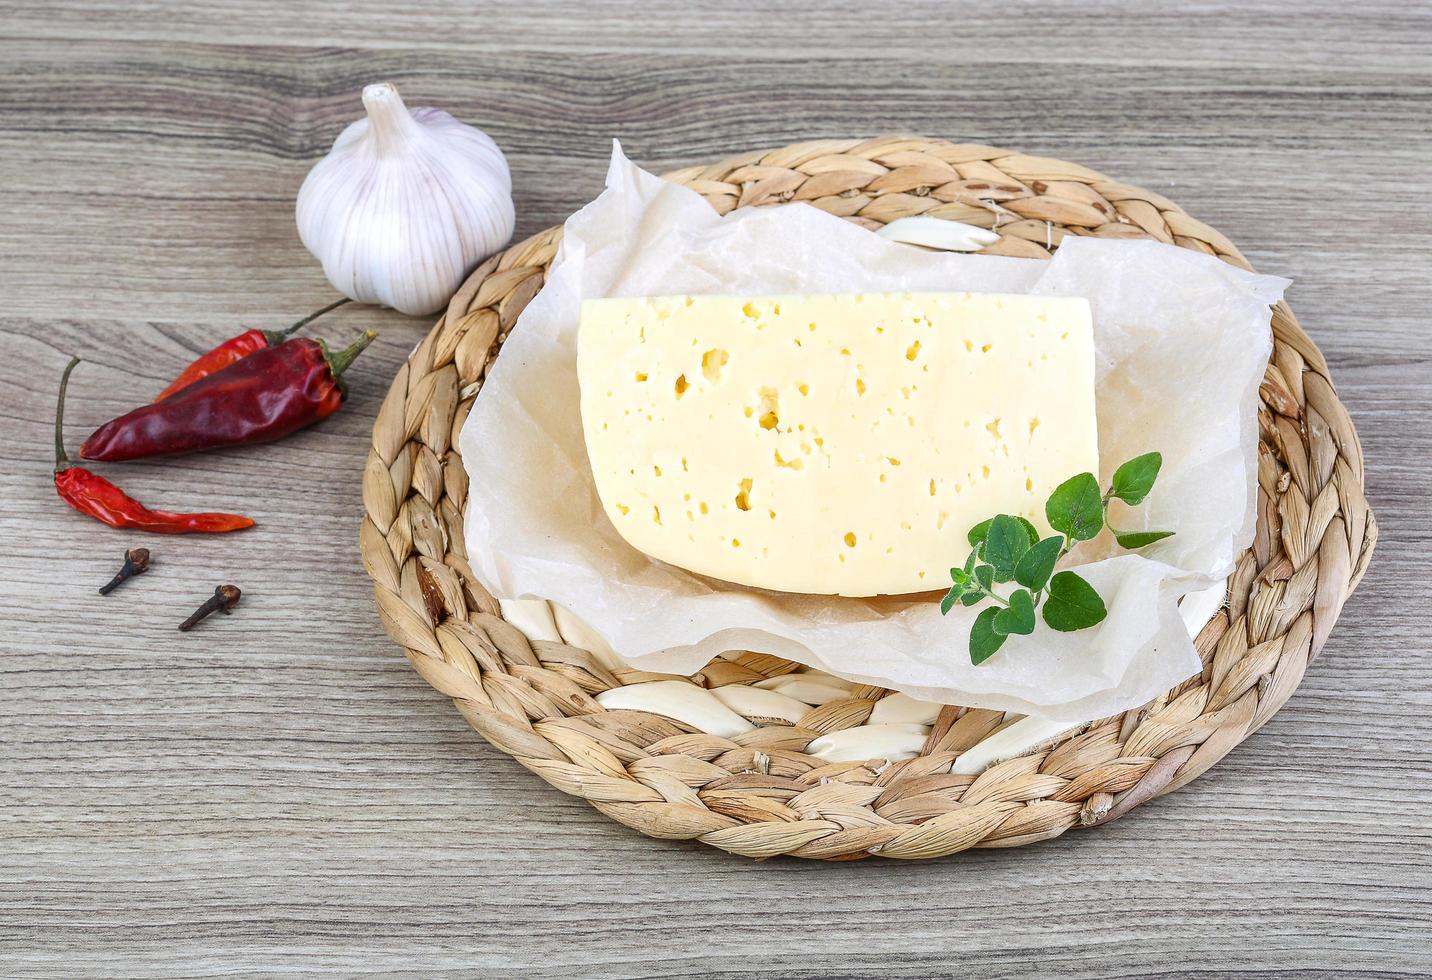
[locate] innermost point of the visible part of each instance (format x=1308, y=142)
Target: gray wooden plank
x=277, y=792
x=1024, y=33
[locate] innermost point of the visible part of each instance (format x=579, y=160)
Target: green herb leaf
x=1005, y=544
x=958, y=576
x=979, y=532
x=1072, y=604
x=1030, y=530
x=984, y=641
x=1134, y=480
x=972, y=598
x=1037, y=564
x=984, y=574
x=951, y=597
x=1137, y=539
x=1076, y=508
x=1019, y=617
x=969, y=568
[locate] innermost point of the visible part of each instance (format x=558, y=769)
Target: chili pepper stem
x=276, y=337
x=224, y=599
x=62, y=458
x=136, y=562
x=338, y=363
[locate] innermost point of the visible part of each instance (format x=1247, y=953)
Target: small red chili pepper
x=97, y=497
x=236, y=349
x=265, y=396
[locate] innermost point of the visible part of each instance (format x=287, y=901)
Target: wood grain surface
x=278, y=792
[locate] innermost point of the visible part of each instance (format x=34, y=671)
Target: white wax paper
x=1181, y=341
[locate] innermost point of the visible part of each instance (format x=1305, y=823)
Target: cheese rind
x=832, y=444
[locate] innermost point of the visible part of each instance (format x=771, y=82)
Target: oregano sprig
x=1008, y=548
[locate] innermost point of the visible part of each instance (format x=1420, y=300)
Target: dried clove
x=224, y=599
x=136, y=562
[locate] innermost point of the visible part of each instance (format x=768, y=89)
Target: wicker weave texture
x=760, y=792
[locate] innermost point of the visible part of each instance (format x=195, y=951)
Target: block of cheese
x=831, y=444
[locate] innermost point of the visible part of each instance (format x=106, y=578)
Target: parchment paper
x=1181, y=341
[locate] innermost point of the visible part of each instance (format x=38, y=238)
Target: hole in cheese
x=743, y=496
x=770, y=409
x=712, y=362
x=849, y=539
x=681, y=385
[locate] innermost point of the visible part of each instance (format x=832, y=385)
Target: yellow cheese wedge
x=835, y=445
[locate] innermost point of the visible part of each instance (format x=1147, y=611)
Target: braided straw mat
x=756, y=755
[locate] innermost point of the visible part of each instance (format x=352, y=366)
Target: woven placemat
x=755, y=754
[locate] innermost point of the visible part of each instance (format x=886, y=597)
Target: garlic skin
x=405, y=205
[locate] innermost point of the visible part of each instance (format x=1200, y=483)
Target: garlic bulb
x=405, y=205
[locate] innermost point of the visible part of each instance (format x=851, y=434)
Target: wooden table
x=278, y=791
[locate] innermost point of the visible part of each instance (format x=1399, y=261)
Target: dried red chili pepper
x=97, y=497
x=236, y=349
x=265, y=396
